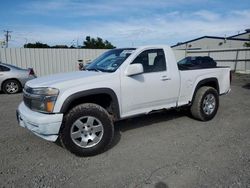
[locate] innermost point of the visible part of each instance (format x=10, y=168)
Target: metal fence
x=48, y=61
x=238, y=59
x=51, y=61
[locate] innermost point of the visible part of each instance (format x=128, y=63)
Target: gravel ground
x=161, y=150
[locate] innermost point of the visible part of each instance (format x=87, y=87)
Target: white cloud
x=207, y=15
x=169, y=28
x=243, y=13
x=73, y=8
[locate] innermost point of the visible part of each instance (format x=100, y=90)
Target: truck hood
x=64, y=80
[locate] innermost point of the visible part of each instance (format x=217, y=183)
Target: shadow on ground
x=144, y=120
x=161, y=185
x=140, y=122
x=246, y=86
x=148, y=120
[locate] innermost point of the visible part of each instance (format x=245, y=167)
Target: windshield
x=11, y=66
x=110, y=60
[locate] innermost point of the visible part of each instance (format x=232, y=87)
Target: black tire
x=198, y=109
x=84, y=111
x=11, y=86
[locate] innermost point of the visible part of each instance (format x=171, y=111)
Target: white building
x=212, y=42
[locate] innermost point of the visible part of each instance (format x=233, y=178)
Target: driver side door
x=150, y=90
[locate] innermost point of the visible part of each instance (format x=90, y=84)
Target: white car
x=79, y=108
x=12, y=78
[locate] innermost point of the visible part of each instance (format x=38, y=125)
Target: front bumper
x=46, y=126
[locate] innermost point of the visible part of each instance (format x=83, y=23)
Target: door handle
x=164, y=78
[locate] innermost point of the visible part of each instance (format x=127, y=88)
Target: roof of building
x=214, y=37
x=246, y=31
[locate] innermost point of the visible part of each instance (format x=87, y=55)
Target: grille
x=28, y=89
x=27, y=101
x=26, y=96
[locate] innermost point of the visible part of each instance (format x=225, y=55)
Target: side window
x=152, y=60
x=3, y=68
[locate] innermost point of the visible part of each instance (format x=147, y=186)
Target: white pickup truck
x=80, y=108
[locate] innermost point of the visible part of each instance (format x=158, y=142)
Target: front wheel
x=11, y=86
x=87, y=130
x=205, y=104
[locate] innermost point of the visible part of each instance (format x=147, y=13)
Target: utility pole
x=7, y=37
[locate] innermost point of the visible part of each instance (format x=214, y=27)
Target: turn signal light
x=50, y=106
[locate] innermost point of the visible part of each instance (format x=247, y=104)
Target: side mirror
x=134, y=69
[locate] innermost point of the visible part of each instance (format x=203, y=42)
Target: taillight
x=32, y=73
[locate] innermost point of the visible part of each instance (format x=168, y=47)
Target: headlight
x=45, y=91
x=40, y=99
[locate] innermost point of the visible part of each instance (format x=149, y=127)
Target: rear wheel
x=87, y=130
x=205, y=104
x=11, y=86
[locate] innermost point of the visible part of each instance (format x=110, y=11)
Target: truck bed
x=186, y=68
x=191, y=78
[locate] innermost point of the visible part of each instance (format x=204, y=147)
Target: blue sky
x=122, y=22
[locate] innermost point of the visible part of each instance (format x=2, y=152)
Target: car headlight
x=41, y=99
x=45, y=91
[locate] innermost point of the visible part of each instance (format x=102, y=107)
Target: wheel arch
x=3, y=82
x=212, y=82
x=93, y=95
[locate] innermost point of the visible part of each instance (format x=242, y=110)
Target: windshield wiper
x=93, y=69
x=99, y=70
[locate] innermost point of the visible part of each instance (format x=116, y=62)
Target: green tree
x=97, y=43
x=91, y=43
x=247, y=44
x=60, y=46
x=36, y=45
